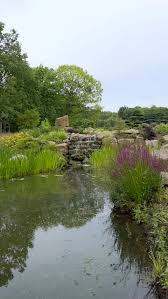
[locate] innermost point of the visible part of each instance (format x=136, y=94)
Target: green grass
x=104, y=158
x=14, y=164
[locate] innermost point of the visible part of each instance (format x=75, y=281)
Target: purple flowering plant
x=137, y=173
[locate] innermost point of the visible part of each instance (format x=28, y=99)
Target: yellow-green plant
x=104, y=158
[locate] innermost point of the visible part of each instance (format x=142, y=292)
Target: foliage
x=138, y=115
x=52, y=92
x=56, y=136
x=119, y=125
x=12, y=140
x=107, y=120
x=68, y=90
x=158, y=264
x=22, y=154
x=132, y=116
x=13, y=164
x=104, y=158
x=45, y=126
x=147, y=132
x=137, y=175
x=155, y=217
x=77, y=87
x=28, y=120
x=136, y=188
x=162, y=129
x=17, y=87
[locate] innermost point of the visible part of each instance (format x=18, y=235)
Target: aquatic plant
x=15, y=164
x=137, y=175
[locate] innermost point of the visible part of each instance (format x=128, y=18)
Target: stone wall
x=79, y=147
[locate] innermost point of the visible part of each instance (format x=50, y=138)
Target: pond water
x=60, y=240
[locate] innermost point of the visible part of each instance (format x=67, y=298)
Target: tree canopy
x=46, y=93
x=138, y=115
x=52, y=92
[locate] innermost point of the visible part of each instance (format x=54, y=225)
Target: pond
x=60, y=240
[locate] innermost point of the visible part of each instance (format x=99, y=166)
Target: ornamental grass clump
x=104, y=158
x=16, y=164
x=137, y=175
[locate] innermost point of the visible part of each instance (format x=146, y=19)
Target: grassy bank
x=16, y=164
x=23, y=154
x=137, y=189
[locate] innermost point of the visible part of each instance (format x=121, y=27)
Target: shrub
x=57, y=136
x=162, y=129
x=137, y=175
x=45, y=126
x=120, y=125
x=147, y=131
x=35, y=132
x=28, y=120
x=13, y=139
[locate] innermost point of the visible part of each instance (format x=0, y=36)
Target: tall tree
x=16, y=92
x=49, y=100
x=77, y=87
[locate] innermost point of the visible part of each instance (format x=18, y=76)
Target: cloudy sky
x=123, y=43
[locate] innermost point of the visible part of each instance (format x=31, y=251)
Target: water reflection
x=41, y=202
x=101, y=254
x=129, y=241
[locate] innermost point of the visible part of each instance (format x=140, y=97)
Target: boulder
x=52, y=143
x=62, y=148
x=126, y=140
x=71, y=130
x=162, y=153
x=130, y=131
x=62, y=122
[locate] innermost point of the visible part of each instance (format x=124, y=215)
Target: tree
x=77, y=88
x=138, y=115
x=16, y=82
x=67, y=90
x=28, y=120
x=120, y=125
x=107, y=119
